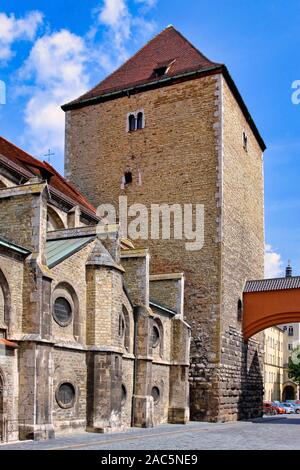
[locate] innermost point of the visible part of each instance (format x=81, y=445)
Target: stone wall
x=176, y=158
x=9, y=394
x=70, y=366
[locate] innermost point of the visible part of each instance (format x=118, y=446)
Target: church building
x=89, y=340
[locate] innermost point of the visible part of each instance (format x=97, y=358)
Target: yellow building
x=273, y=363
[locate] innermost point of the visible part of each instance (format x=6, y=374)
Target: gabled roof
x=35, y=167
x=169, y=48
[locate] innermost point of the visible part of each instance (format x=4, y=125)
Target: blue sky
x=50, y=52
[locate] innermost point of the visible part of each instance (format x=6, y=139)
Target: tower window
x=131, y=122
x=245, y=141
x=128, y=177
x=140, y=121
x=135, y=121
x=291, y=330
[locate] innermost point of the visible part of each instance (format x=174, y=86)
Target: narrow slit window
x=131, y=122
x=140, y=121
x=128, y=177
x=245, y=141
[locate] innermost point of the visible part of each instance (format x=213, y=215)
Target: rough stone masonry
x=170, y=126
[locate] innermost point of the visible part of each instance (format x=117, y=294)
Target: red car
x=269, y=408
x=280, y=410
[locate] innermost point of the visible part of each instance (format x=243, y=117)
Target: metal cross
x=49, y=155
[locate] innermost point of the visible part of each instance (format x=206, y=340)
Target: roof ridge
x=124, y=63
x=193, y=46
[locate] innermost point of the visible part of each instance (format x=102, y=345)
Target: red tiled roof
x=39, y=168
x=168, y=47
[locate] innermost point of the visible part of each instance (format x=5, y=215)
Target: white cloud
x=147, y=3
x=13, y=29
x=122, y=26
x=57, y=65
x=62, y=65
x=273, y=263
x=115, y=15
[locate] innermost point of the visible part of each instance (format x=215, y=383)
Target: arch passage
x=272, y=303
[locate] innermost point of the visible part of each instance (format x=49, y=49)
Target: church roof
x=59, y=250
x=169, y=49
x=30, y=167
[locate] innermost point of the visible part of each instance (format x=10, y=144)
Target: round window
x=65, y=395
x=155, y=336
x=155, y=393
x=123, y=395
x=62, y=311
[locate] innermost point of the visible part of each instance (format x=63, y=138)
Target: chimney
x=289, y=270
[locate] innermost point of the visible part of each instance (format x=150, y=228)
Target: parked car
x=289, y=409
x=296, y=408
x=269, y=408
x=279, y=409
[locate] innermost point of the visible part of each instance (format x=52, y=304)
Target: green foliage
x=294, y=365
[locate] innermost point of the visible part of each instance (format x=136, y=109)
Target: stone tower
x=169, y=126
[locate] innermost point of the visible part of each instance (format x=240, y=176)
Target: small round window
x=62, y=311
x=123, y=395
x=65, y=395
x=155, y=336
x=155, y=393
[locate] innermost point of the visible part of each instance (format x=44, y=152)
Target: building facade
x=292, y=334
x=88, y=339
x=275, y=344
x=170, y=127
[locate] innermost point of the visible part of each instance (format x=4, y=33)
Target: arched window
x=131, y=122
x=157, y=336
x=128, y=177
x=126, y=333
x=5, y=303
x=140, y=121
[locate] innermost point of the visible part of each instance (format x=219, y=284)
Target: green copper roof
x=14, y=247
x=58, y=250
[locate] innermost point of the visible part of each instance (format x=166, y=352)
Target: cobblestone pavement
x=267, y=433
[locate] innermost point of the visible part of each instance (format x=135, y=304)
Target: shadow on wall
x=250, y=404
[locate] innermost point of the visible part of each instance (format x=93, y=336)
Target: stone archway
x=289, y=392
